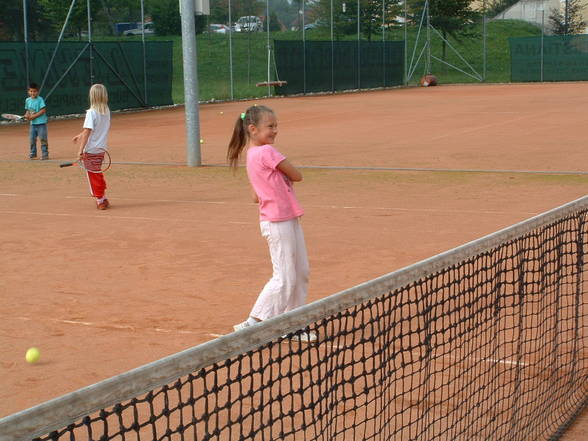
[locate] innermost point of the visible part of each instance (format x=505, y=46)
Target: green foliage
x=574, y=24
x=55, y=11
x=274, y=23
x=451, y=17
x=344, y=15
x=166, y=17
x=11, y=21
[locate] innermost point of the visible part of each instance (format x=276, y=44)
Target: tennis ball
x=221, y=112
x=201, y=140
x=32, y=355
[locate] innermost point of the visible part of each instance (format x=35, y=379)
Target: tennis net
x=486, y=341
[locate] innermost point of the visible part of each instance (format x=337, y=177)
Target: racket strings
x=93, y=161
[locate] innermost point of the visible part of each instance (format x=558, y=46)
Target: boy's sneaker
x=106, y=203
x=44, y=158
x=102, y=206
x=33, y=157
x=240, y=326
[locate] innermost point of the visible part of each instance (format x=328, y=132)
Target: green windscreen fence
x=551, y=58
x=321, y=66
x=120, y=66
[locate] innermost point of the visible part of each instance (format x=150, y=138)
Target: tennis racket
x=91, y=162
x=12, y=116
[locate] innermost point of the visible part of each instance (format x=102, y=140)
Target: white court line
x=486, y=126
x=113, y=326
x=492, y=360
x=93, y=216
x=8, y=194
x=329, y=207
x=180, y=331
x=485, y=360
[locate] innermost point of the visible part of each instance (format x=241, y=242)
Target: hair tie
x=243, y=115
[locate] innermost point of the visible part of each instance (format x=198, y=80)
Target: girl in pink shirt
x=271, y=176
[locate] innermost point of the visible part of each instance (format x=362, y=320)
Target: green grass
x=250, y=52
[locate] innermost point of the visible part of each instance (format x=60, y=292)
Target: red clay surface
x=179, y=259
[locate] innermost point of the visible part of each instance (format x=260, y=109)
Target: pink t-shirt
x=277, y=201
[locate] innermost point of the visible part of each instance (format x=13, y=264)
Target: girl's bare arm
x=82, y=139
x=289, y=170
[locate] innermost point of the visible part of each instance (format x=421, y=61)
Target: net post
x=190, y=83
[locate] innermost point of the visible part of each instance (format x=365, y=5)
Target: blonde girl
x=271, y=176
x=93, y=141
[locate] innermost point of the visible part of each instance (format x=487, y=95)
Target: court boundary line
x=348, y=167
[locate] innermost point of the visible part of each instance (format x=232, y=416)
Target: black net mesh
x=491, y=348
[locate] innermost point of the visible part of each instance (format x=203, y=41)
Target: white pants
x=288, y=286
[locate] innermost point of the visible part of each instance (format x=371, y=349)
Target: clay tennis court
x=393, y=177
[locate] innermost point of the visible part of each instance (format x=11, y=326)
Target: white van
x=249, y=23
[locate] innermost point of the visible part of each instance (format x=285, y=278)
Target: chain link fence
x=255, y=48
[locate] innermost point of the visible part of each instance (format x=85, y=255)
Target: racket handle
x=66, y=164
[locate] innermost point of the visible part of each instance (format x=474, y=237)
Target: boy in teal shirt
x=36, y=114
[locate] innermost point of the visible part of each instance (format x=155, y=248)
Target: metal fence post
x=191, y=83
x=232, y=87
x=90, y=41
x=25, y=14
x=144, y=51
x=484, y=36
x=542, y=41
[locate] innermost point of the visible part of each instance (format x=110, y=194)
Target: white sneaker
x=240, y=326
x=303, y=337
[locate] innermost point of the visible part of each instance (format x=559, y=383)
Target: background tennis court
x=179, y=258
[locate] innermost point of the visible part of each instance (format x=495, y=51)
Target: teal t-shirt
x=34, y=105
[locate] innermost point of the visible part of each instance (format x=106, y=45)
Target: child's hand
x=76, y=138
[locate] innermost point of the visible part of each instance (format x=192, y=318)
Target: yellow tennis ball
x=221, y=113
x=32, y=355
x=201, y=141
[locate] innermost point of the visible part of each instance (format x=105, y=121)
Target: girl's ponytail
x=238, y=141
x=252, y=115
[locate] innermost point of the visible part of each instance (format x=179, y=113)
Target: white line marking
x=492, y=360
x=487, y=126
x=330, y=207
x=113, y=326
x=8, y=194
x=94, y=216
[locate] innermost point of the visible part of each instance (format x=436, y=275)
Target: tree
x=11, y=18
x=114, y=11
x=370, y=16
x=166, y=17
x=167, y=20
x=274, y=23
x=56, y=12
x=450, y=17
x=568, y=21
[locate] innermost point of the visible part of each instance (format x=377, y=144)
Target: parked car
x=137, y=31
x=248, y=23
x=219, y=28
x=311, y=26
